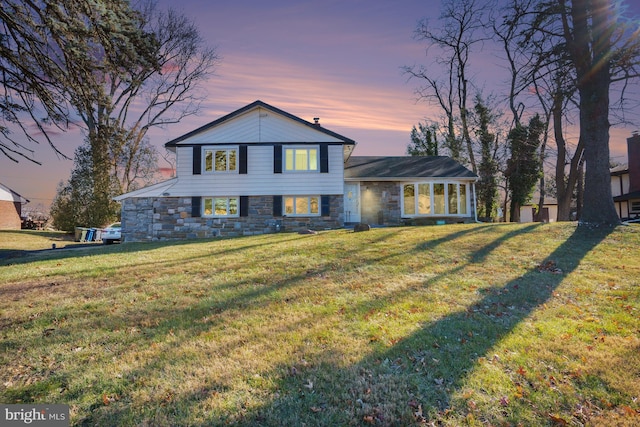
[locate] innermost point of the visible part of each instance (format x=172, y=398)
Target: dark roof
x=251, y=106
x=628, y=196
x=405, y=167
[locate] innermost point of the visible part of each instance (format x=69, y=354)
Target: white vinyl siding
x=260, y=179
x=260, y=125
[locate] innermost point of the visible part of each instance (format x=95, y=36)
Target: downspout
x=475, y=203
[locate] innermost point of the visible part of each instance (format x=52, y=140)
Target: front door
x=352, y=202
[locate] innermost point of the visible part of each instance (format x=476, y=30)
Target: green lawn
x=444, y=325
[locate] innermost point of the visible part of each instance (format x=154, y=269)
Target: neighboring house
x=10, y=208
x=549, y=210
x=625, y=182
x=261, y=170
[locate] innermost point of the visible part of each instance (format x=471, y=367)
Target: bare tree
x=462, y=23
x=31, y=101
x=591, y=38
x=162, y=95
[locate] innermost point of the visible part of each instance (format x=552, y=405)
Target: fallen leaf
x=629, y=411
x=316, y=409
x=467, y=394
x=418, y=415
x=368, y=419
x=504, y=401
x=520, y=392
x=521, y=371
x=558, y=420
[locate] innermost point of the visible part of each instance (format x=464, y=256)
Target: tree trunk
x=580, y=191
x=591, y=54
x=539, y=216
x=514, y=211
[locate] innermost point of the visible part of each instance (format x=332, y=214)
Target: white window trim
x=308, y=214
x=308, y=148
x=213, y=149
x=213, y=207
x=431, y=199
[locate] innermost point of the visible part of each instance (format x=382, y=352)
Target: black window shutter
x=324, y=158
x=325, y=206
x=195, y=207
x=243, y=159
x=277, y=158
x=277, y=205
x=244, y=205
x=197, y=160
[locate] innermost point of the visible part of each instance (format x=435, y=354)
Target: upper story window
x=301, y=159
x=221, y=160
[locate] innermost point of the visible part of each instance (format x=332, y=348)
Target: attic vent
x=316, y=121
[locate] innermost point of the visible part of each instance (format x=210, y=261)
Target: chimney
x=633, y=150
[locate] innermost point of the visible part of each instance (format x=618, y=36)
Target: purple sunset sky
x=339, y=60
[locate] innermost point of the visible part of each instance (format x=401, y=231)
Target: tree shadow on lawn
x=17, y=257
x=189, y=322
x=427, y=368
x=347, y=395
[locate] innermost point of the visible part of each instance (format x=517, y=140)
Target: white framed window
x=301, y=205
x=434, y=199
x=301, y=159
x=220, y=206
x=220, y=160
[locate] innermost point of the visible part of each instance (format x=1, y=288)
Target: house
x=396, y=190
x=10, y=208
x=549, y=210
x=261, y=170
x=625, y=182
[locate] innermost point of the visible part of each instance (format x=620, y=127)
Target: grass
x=443, y=325
x=15, y=243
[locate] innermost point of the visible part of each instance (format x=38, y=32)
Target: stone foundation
x=169, y=218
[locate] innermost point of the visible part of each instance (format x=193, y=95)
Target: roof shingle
x=405, y=167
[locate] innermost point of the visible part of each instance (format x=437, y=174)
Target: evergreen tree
x=487, y=187
x=78, y=203
x=423, y=141
x=524, y=167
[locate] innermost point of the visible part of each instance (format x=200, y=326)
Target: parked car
x=111, y=233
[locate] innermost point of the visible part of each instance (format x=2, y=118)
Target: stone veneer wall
x=169, y=218
x=380, y=203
